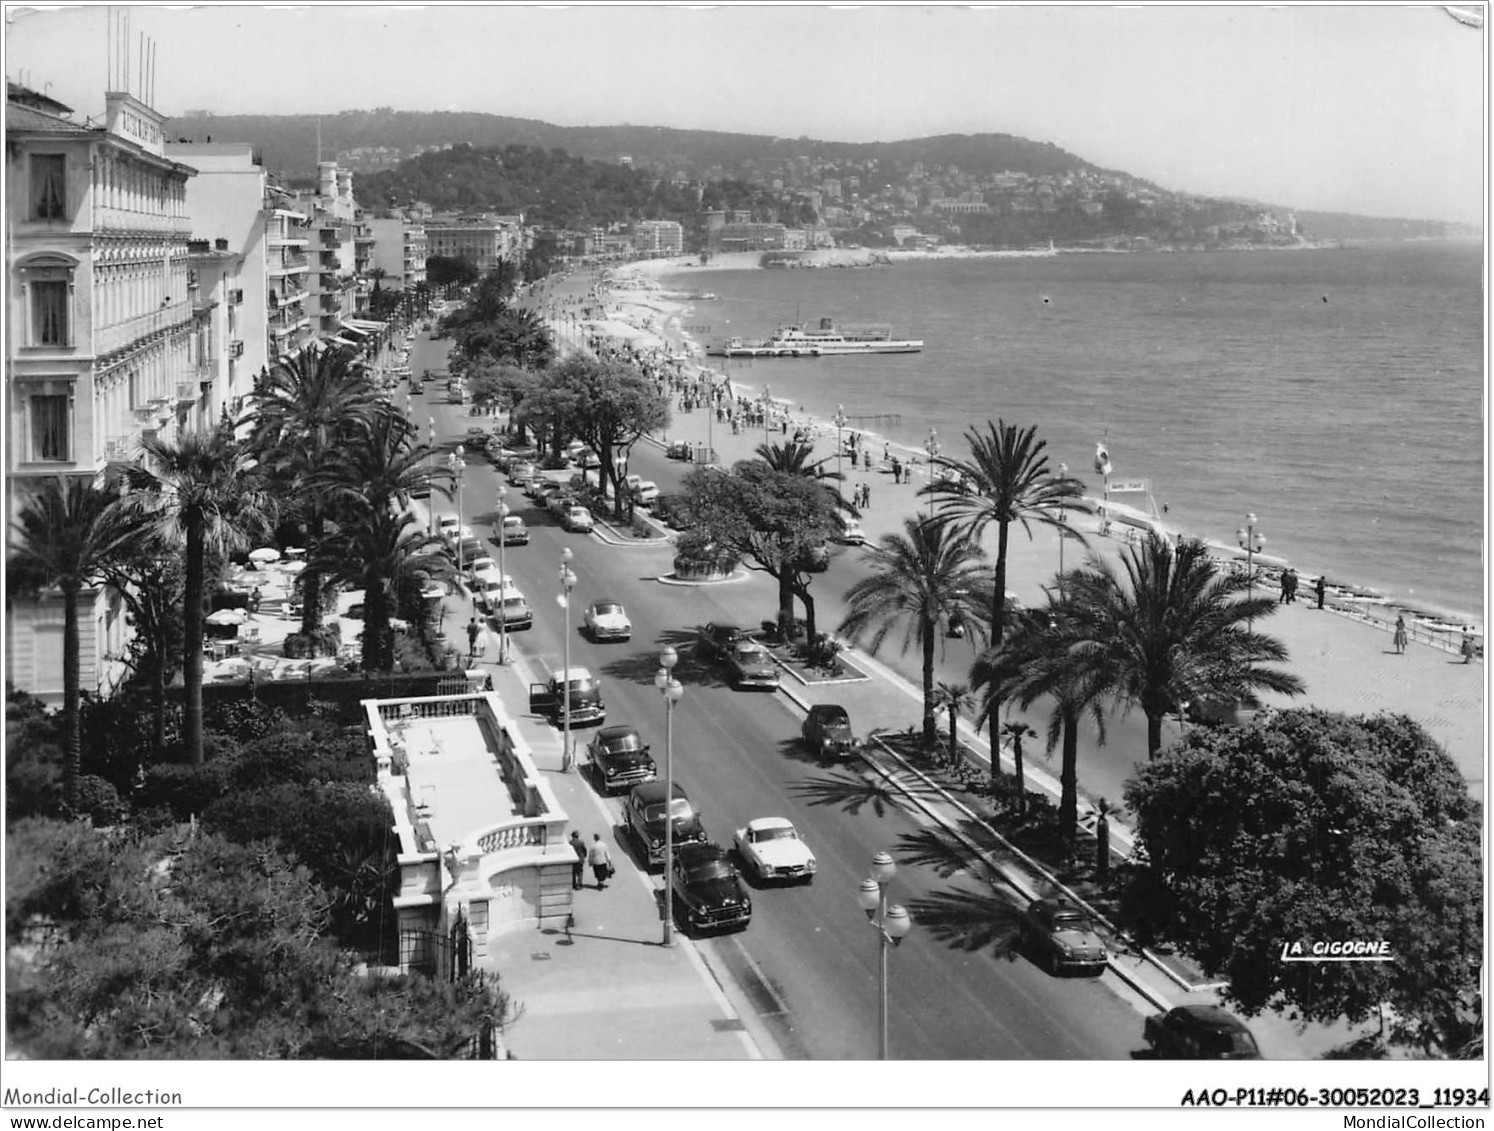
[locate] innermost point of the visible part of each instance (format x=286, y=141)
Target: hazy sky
x=1370, y=109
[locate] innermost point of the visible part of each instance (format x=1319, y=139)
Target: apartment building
x=481, y=242
x=101, y=329
x=658, y=237
x=399, y=249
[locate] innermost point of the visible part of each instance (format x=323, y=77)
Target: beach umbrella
x=293, y=567
x=264, y=554
x=228, y=616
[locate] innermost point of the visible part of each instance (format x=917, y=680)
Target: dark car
x=548, y=698
x=644, y=816
x=749, y=664
x=621, y=759
x=680, y=449
x=717, y=640
x=1059, y=934
x=708, y=892
x=1200, y=1032
x=827, y=731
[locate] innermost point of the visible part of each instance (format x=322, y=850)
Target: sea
x=1338, y=394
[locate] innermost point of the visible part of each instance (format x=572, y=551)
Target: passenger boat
x=827, y=339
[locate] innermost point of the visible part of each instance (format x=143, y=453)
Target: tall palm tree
x=917, y=580
x=1015, y=731
x=375, y=554
x=1006, y=480
x=311, y=409
x=201, y=491
x=63, y=538
x=382, y=472
x=1043, y=656
x=1175, y=628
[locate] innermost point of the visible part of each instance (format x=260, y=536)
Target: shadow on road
x=849, y=791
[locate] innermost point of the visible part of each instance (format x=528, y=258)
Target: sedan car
x=771, y=849
x=827, y=731
x=607, y=620
x=515, y=533
x=1200, y=1032
x=708, y=893
x=717, y=640
x=514, y=611
x=749, y=664
x=477, y=436
x=851, y=533
x=621, y=759
x=644, y=816
x=577, y=519
x=489, y=593
x=1060, y=934
x=484, y=568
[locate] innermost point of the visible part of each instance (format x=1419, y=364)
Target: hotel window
x=49, y=312
x=48, y=186
x=50, y=440
x=477, y=917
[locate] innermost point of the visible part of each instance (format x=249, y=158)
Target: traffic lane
x=738, y=755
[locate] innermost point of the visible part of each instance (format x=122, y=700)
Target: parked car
x=514, y=612
x=520, y=472
x=646, y=493
x=588, y=459
x=585, y=695
x=680, y=449
x=577, y=519
x=716, y=641
x=708, y=893
x=749, y=664
x=621, y=759
x=1200, y=1032
x=771, y=850
x=477, y=437
x=1059, y=934
x=827, y=731
x=515, y=533
x=483, y=568
x=644, y=816
x=470, y=547
x=489, y=592
x=607, y=620
x=447, y=525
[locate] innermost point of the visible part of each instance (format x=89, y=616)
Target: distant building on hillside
x=656, y=238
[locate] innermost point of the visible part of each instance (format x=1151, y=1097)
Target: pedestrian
x=1400, y=634
x=578, y=865
x=1466, y=647
x=601, y=861
x=865, y=495
x=1320, y=587
x=1291, y=586
x=254, y=600
x=1286, y=586
x=473, y=630
x=886, y=452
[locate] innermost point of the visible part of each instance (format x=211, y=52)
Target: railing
x=530, y=833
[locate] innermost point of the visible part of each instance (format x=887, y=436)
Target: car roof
x=652, y=792
x=571, y=673
x=603, y=602
x=616, y=732
x=699, y=851
x=770, y=823
x=1208, y=1017
x=828, y=710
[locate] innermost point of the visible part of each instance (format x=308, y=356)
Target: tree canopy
x=1316, y=827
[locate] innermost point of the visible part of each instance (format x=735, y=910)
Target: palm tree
x=1175, y=629
x=206, y=494
x=918, y=579
x=1104, y=810
x=1016, y=731
x=382, y=472
x=310, y=410
x=375, y=554
x=1006, y=480
x=957, y=699
x=63, y=539
x=1040, y=657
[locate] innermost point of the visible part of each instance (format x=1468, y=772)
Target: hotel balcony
x=291, y=265
x=187, y=391
x=474, y=818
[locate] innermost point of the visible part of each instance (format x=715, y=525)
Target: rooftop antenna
x=318, y=139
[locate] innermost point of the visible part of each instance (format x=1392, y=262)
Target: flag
x=1102, y=460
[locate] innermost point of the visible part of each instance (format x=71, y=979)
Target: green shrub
x=185, y=791
x=99, y=801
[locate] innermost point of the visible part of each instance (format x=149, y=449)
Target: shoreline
x=654, y=327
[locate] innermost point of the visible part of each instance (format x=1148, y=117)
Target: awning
x=365, y=325
x=355, y=331
x=346, y=342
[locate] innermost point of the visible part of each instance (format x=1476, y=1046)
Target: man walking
x=1320, y=587
x=601, y=861
x=473, y=630
x=578, y=866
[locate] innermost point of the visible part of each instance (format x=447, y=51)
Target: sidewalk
x=605, y=988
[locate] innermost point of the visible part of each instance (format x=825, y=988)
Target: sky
x=1372, y=109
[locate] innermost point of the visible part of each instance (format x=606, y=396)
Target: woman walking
x=1400, y=635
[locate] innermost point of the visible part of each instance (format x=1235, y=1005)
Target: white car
x=486, y=569
x=607, y=620
x=577, y=519
x=646, y=493
x=771, y=849
x=446, y=525
x=489, y=593
x=852, y=535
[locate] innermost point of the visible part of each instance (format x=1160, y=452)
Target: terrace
x=482, y=839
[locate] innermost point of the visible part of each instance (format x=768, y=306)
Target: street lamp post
x=931, y=445
x=767, y=403
x=840, y=448
x=670, y=688
x=1252, y=542
x=503, y=575
x=892, y=925
x=430, y=423
x=567, y=583
x=459, y=464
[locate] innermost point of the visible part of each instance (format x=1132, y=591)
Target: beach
x=1351, y=636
